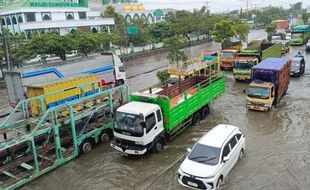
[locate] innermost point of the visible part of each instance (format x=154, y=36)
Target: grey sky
x=217, y=5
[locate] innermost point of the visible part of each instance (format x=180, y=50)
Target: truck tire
x=86, y=146
x=196, y=118
x=205, y=111
x=158, y=146
x=104, y=137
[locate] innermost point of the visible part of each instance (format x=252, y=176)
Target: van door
x=233, y=153
x=225, y=165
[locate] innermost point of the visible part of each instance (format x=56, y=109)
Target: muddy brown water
x=277, y=157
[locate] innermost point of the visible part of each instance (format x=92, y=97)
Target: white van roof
x=218, y=135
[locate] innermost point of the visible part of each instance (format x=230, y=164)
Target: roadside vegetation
x=182, y=26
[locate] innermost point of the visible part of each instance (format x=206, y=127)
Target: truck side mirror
x=244, y=91
x=226, y=158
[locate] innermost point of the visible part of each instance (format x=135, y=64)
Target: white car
x=212, y=157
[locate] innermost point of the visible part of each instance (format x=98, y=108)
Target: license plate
x=192, y=184
x=256, y=107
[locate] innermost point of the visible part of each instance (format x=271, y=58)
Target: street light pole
x=5, y=45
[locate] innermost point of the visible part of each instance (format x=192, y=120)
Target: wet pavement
x=278, y=143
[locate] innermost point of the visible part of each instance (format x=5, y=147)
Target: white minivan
x=212, y=157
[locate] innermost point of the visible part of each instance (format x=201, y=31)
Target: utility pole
x=207, y=4
x=292, y=5
x=5, y=45
x=247, y=3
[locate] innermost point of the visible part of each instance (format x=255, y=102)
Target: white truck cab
x=138, y=128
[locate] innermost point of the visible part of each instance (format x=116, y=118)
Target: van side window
x=233, y=142
x=238, y=136
x=226, y=150
x=150, y=122
x=158, y=116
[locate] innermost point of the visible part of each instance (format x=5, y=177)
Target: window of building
x=46, y=16
x=94, y=30
x=3, y=21
x=30, y=17
x=14, y=21
x=8, y=21
x=20, y=19
x=82, y=15
x=69, y=15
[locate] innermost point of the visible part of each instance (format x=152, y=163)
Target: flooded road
x=278, y=143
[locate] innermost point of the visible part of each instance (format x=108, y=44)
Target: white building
x=63, y=16
x=130, y=10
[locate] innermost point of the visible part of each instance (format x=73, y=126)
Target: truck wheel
x=104, y=137
x=196, y=118
x=158, y=146
x=205, y=111
x=86, y=146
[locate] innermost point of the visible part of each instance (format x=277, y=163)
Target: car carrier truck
x=32, y=145
x=151, y=118
x=107, y=66
x=251, y=56
x=270, y=81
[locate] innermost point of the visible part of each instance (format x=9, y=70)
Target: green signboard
x=36, y=3
x=132, y=30
x=158, y=12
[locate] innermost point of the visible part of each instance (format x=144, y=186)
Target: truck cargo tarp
x=272, y=64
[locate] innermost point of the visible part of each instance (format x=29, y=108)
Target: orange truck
x=228, y=58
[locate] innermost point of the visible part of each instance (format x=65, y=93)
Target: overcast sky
x=217, y=5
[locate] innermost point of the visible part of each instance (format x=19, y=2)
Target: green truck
x=251, y=56
x=32, y=146
x=153, y=117
x=300, y=35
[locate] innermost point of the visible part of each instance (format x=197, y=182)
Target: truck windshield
x=226, y=55
x=258, y=92
x=205, y=154
x=297, y=35
x=128, y=123
x=243, y=65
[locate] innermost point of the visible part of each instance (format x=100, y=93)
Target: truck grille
x=123, y=141
x=200, y=184
x=257, y=104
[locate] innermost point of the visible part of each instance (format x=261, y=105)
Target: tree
x=52, y=43
x=120, y=38
x=163, y=76
x=174, y=46
x=242, y=30
x=270, y=28
x=84, y=42
x=182, y=23
x=223, y=30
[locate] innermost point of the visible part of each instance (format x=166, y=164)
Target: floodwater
x=278, y=144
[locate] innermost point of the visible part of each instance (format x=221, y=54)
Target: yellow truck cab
x=270, y=81
x=260, y=95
